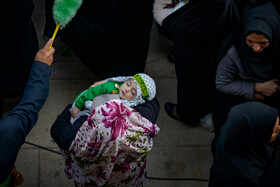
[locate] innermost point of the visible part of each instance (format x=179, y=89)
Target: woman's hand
x=97, y=83
x=267, y=88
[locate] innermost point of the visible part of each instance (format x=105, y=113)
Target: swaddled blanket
x=111, y=147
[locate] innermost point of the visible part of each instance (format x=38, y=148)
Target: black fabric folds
x=149, y=110
x=243, y=155
x=198, y=29
x=18, y=46
x=62, y=131
x=200, y=20
x=110, y=37
x=203, y=19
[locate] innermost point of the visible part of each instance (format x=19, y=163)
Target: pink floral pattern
x=115, y=118
x=111, y=147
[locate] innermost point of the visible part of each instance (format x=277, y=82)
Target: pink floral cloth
x=111, y=147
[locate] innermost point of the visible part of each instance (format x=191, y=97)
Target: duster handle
x=54, y=34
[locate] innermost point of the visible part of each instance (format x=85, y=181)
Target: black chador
x=110, y=37
x=18, y=46
x=198, y=29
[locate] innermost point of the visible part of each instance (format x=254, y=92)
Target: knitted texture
x=144, y=89
x=150, y=84
x=65, y=10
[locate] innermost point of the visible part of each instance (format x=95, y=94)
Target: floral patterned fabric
x=111, y=147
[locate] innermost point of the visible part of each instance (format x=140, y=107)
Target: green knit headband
x=144, y=89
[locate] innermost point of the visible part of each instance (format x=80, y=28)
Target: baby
x=131, y=90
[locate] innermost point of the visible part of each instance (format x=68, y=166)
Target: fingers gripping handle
x=54, y=34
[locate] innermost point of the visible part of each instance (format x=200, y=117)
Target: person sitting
x=246, y=151
x=250, y=69
x=198, y=29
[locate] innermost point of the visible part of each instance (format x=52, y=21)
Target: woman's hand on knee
x=267, y=88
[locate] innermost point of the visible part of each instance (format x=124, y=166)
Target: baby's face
x=128, y=90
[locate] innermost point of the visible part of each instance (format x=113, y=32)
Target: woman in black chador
x=18, y=46
x=246, y=149
x=110, y=37
x=198, y=29
x=249, y=68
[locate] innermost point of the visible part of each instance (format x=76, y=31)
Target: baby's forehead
x=130, y=80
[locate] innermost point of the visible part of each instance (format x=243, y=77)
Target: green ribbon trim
x=144, y=89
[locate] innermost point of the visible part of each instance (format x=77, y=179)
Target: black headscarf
x=243, y=153
x=264, y=65
x=263, y=19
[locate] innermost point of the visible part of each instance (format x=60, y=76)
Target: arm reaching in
x=16, y=126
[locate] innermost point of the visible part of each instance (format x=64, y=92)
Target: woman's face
x=276, y=130
x=257, y=41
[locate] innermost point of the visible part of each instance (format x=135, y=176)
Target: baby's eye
x=133, y=92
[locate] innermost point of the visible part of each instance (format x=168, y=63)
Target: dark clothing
x=232, y=78
x=264, y=65
x=192, y=101
x=63, y=132
x=110, y=37
x=149, y=110
x=224, y=102
x=198, y=29
x=243, y=156
x=18, y=46
x=16, y=126
x=252, y=70
x=235, y=86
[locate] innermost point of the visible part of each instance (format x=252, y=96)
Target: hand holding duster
x=63, y=12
